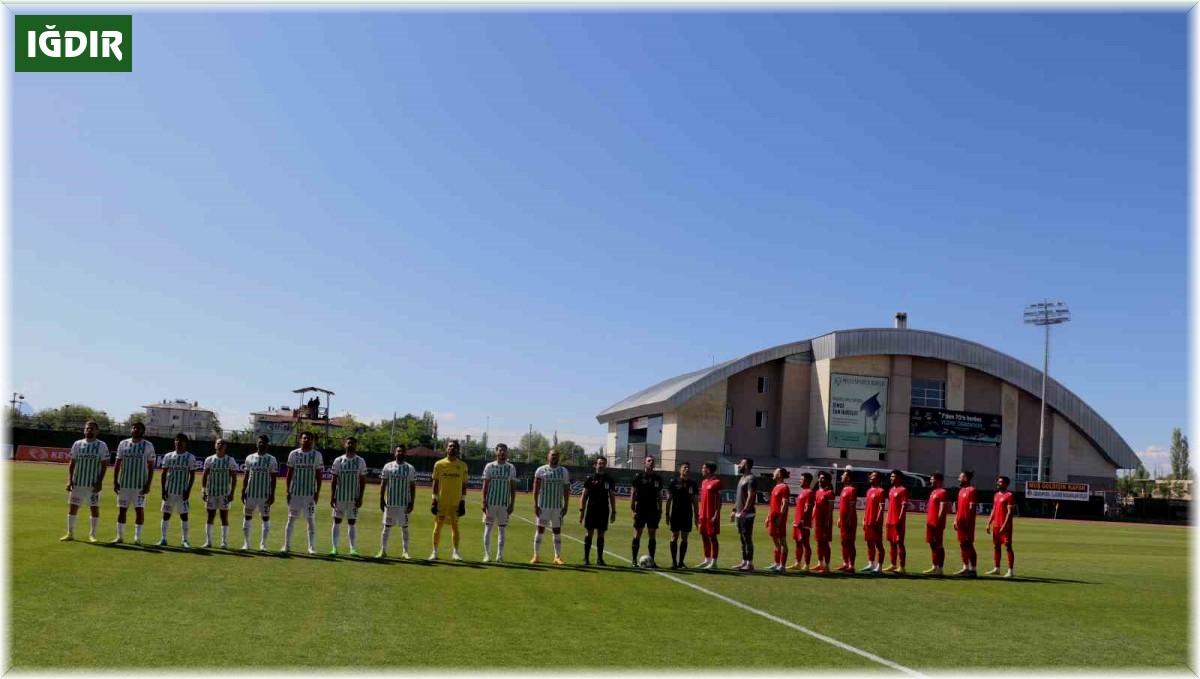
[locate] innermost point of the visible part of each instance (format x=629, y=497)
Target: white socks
x=185, y=527
x=353, y=533
x=487, y=538
x=71, y=524
x=208, y=532
x=120, y=531
x=500, y=541
x=337, y=535
x=137, y=532
x=287, y=533
x=383, y=540
x=537, y=542
x=163, y=529
x=312, y=533
x=246, y=530
x=266, y=531
x=557, y=545
x=94, y=524
x=404, y=538
x=224, y=534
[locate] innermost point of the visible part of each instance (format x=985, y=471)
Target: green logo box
x=74, y=42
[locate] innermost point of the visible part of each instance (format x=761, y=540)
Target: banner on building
x=41, y=454
x=1053, y=490
x=938, y=423
x=857, y=411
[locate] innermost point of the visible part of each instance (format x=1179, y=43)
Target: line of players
x=688, y=504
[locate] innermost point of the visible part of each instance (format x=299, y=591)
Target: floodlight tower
x=1045, y=314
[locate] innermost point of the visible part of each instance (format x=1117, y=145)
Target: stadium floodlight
x=1045, y=314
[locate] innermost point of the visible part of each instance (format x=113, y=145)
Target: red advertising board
x=39, y=454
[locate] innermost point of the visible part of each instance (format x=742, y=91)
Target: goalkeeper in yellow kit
x=449, y=497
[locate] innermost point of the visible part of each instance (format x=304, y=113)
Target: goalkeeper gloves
x=462, y=507
x=433, y=508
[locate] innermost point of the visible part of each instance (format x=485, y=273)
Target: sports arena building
x=877, y=397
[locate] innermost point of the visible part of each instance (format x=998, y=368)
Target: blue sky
x=529, y=216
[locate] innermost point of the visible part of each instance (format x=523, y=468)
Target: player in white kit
x=258, y=491
x=178, y=475
x=85, y=477
x=303, y=489
x=397, y=493
x=218, y=483
x=131, y=480
x=499, y=496
x=349, y=481
x=551, y=492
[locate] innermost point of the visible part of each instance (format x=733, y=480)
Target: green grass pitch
x=1089, y=596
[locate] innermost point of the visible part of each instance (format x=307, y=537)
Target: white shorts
x=345, y=510
x=550, y=518
x=83, y=495
x=175, y=503
x=131, y=497
x=395, y=516
x=218, y=502
x=251, y=505
x=302, y=506
x=496, y=514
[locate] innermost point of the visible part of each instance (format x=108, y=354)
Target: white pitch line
x=774, y=618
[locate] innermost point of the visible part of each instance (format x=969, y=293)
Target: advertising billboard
x=939, y=423
x=857, y=411
x=1052, y=490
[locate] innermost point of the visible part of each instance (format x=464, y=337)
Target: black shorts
x=680, y=523
x=647, y=519
x=596, y=520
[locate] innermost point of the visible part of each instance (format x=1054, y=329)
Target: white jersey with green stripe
x=499, y=479
x=88, y=456
x=397, y=477
x=554, y=480
x=348, y=470
x=137, y=461
x=304, y=467
x=220, y=475
x=261, y=470
x=178, y=468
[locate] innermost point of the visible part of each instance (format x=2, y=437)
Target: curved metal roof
x=672, y=393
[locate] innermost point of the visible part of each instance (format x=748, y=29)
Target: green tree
x=71, y=417
x=570, y=453
x=136, y=416
x=1180, y=464
x=534, y=447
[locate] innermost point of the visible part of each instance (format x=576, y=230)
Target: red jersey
x=779, y=500
x=710, y=497
x=1001, y=503
x=848, y=510
x=897, y=499
x=804, y=506
x=823, y=506
x=966, y=507
x=874, y=506
x=937, y=500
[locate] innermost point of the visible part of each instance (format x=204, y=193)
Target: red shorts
x=871, y=534
x=847, y=532
x=934, y=535
x=824, y=532
x=1002, y=538
x=709, y=527
x=776, y=528
x=895, y=532
x=965, y=533
x=800, y=533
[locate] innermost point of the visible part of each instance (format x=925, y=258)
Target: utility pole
x=1045, y=314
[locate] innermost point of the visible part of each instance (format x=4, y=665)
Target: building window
x=728, y=450
x=174, y=417
x=763, y=385
x=728, y=417
x=1027, y=469
x=760, y=419
x=929, y=393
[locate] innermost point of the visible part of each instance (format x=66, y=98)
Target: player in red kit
x=847, y=522
x=823, y=521
x=873, y=524
x=709, y=525
x=964, y=523
x=897, y=515
x=1000, y=525
x=802, y=528
x=935, y=524
x=777, y=518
